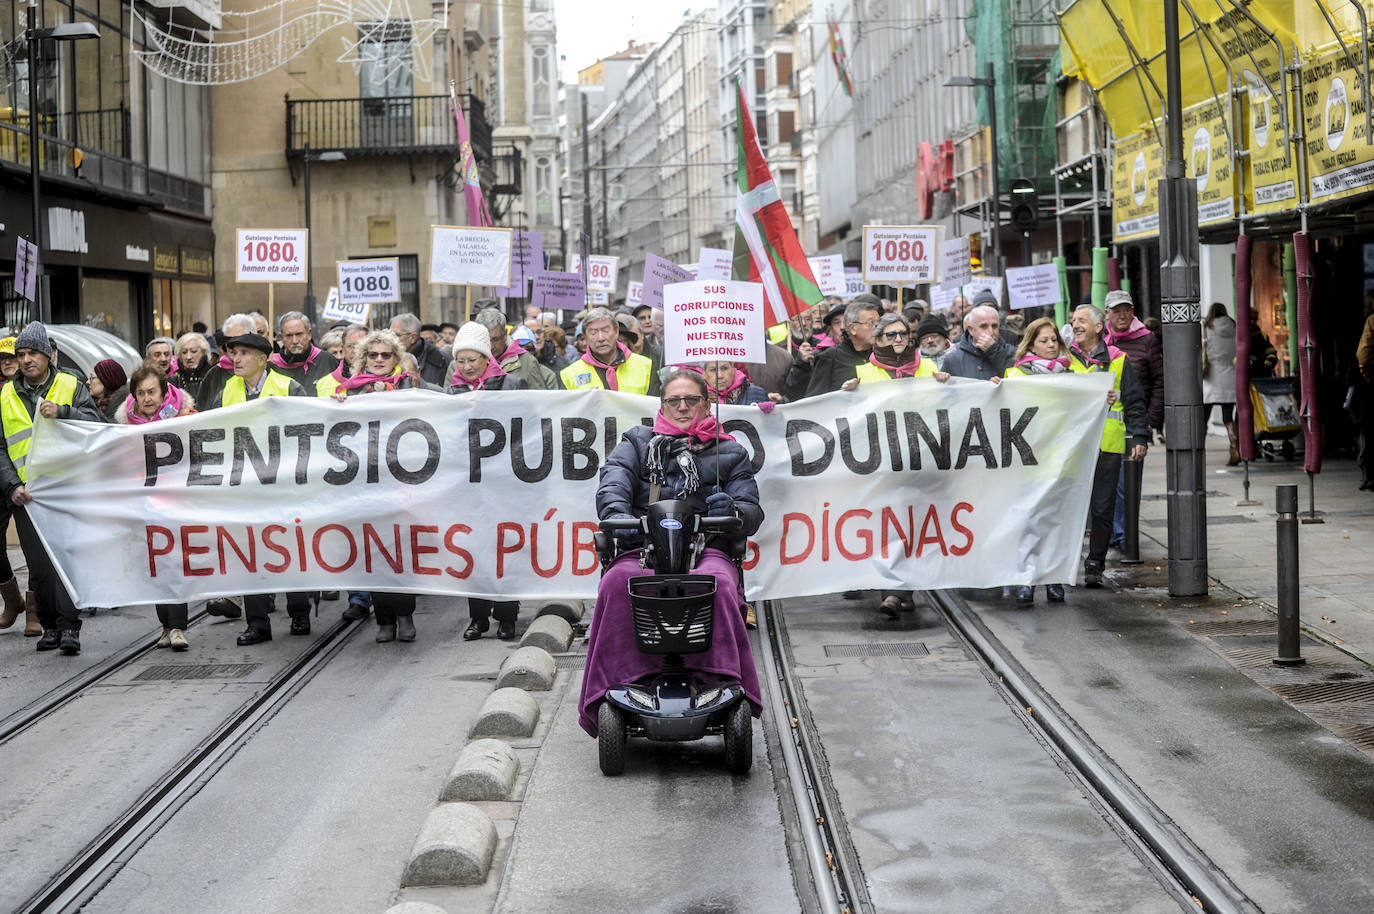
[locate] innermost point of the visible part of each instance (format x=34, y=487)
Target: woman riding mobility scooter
x=668, y=655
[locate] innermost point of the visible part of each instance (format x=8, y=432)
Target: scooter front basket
x=673, y=613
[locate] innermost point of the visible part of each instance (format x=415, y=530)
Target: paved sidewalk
x=1336, y=557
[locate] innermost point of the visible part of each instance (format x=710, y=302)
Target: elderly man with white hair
x=1126, y=418
x=980, y=352
x=609, y=363
x=433, y=364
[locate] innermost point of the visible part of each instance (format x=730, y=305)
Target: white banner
x=829, y=273
x=492, y=494
x=901, y=253
x=956, y=267
x=708, y=320
x=714, y=263
x=271, y=255
x=468, y=255
x=1029, y=287
x=368, y=282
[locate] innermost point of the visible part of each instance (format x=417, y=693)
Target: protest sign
x=967, y=485
x=829, y=273
x=634, y=297
x=978, y=284
x=469, y=256
x=368, y=282
x=526, y=259
x=1031, y=287
x=558, y=290
x=901, y=254
x=956, y=264
x=26, y=268
x=601, y=272
x=853, y=282
x=335, y=311
x=658, y=273
x=271, y=255
x=707, y=320
x=714, y=263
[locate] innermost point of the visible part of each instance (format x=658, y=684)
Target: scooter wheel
x=739, y=739
x=610, y=740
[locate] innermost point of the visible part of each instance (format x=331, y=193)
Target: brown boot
x=1231, y=433
x=14, y=602
x=32, y=627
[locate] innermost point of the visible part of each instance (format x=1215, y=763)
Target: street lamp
x=990, y=83
x=330, y=156
x=67, y=31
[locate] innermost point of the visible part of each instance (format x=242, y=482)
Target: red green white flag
x=766, y=247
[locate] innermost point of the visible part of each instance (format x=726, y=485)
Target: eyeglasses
x=466, y=362
x=873, y=323
x=895, y=334
x=678, y=402
x=381, y=355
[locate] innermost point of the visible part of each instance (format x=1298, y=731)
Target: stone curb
x=528, y=668
x=485, y=770
x=415, y=907
x=506, y=712
x=570, y=611
x=454, y=847
x=552, y=633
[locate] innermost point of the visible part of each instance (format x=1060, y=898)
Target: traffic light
x=1025, y=205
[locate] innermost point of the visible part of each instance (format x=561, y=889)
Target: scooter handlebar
x=622, y=524
x=725, y=524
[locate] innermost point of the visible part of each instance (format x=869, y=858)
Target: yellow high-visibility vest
x=1114, y=432
x=632, y=375
x=276, y=385
x=19, y=424
x=867, y=371
x=326, y=385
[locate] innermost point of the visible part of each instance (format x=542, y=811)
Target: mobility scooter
x=674, y=614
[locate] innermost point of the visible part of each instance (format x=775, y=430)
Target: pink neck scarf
x=363, y=379
x=704, y=429
x=1133, y=332
x=513, y=351
x=900, y=371
x=611, y=380
x=493, y=370
x=226, y=363
x=306, y=362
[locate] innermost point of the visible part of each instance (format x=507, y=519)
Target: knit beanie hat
x=35, y=337
x=986, y=297
x=932, y=323
x=473, y=337
x=111, y=374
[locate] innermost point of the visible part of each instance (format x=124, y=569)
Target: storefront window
x=109, y=305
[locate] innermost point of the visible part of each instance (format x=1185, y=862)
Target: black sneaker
x=50, y=639
x=71, y=642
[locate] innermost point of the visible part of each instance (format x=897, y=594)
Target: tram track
x=829, y=852
x=82, y=877
x=1181, y=866
x=55, y=698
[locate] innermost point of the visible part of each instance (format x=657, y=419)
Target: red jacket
x=1147, y=361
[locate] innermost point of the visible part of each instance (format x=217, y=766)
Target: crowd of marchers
x=834, y=346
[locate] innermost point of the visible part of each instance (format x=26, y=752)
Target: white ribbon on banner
x=902, y=485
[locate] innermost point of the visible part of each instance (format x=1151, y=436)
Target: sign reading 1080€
x=369, y=282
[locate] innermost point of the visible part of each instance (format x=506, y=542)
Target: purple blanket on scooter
x=613, y=656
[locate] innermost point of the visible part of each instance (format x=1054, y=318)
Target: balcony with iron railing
x=392, y=125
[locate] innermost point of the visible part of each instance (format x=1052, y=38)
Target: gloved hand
x=719, y=504
x=618, y=517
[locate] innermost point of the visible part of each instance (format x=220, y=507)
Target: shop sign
x=136, y=254
x=165, y=260
x=1137, y=167
x=197, y=263
x=1339, y=162
x=1208, y=154
x=1271, y=183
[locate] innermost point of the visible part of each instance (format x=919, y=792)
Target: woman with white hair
x=475, y=369
x=192, y=360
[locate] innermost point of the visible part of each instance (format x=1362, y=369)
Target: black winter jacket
x=624, y=485
x=965, y=360
x=433, y=363
x=834, y=365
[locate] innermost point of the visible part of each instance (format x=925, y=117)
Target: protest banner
x=634, y=295
x=956, y=264
x=601, y=272
x=334, y=311
x=708, y=320
x=271, y=255
x=829, y=273
x=978, y=284
x=1031, y=287
x=551, y=289
x=469, y=256
x=659, y=272
x=714, y=263
x=527, y=259
x=901, y=254
x=969, y=485
x=368, y=282
x=26, y=268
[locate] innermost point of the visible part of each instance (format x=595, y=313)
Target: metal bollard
x=1130, y=544
x=1286, y=538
